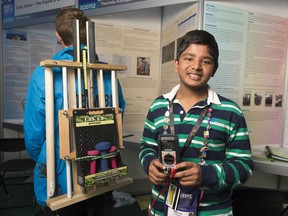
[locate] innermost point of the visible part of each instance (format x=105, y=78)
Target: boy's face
x=195, y=66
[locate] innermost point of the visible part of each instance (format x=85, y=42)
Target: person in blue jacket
x=35, y=125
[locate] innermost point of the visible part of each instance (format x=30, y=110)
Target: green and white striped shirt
x=229, y=160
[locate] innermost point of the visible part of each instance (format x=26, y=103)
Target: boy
x=217, y=156
x=34, y=122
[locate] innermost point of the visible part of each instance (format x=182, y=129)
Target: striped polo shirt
x=229, y=159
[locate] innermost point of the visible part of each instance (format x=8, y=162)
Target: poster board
x=253, y=56
x=132, y=39
x=247, y=74
x=23, y=49
x=273, y=115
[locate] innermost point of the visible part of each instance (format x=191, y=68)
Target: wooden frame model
x=80, y=128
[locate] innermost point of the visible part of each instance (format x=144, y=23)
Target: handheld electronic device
x=168, y=151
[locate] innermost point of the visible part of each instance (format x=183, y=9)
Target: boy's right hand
x=155, y=175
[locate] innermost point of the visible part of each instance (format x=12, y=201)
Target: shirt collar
x=212, y=96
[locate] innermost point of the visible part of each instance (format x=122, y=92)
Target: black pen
x=128, y=135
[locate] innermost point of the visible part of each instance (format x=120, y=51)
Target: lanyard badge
x=181, y=201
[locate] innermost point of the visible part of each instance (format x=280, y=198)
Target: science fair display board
x=252, y=65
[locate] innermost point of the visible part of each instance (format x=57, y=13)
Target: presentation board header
x=18, y=12
x=14, y=11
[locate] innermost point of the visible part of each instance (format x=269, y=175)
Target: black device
x=168, y=151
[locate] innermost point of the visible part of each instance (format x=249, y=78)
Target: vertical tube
x=76, y=47
x=90, y=31
x=101, y=92
x=76, y=40
x=68, y=175
x=114, y=85
x=201, y=5
x=91, y=56
x=50, y=142
x=65, y=87
x=65, y=102
x=79, y=88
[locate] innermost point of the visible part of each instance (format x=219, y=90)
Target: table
x=13, y=124
x=279, y=168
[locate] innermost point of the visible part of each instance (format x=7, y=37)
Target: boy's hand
x=155, y=175
x=189, y=173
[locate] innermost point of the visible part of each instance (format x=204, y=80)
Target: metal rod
x=76, y=48
x=201, y=5
x=91, y=56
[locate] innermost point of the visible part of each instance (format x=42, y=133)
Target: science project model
x=90, y=137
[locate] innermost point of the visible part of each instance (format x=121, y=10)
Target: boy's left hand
x=188, y=173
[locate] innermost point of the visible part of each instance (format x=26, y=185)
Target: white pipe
x=65, y=87
x=101, y=92
x=50, y=144
x=90, y=90
x=65, y=107
x=114, y=85
x=68, y=175
x=79, y=88
x=78, y=60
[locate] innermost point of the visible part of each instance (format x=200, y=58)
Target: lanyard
x=194, y=129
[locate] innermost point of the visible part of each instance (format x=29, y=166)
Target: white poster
x=138, y=49
x=251, y=66
x=171, y=36
x=23, y=50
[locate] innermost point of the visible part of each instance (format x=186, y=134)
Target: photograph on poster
x=278, y=100
x=168, y=52
x=143, y=66
x=16, y=36
x=257, y=99
x=268, y=100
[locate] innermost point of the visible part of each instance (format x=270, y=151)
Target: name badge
x=181, y=202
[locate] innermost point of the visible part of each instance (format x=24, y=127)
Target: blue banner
x=8, y=11
x=93, y=4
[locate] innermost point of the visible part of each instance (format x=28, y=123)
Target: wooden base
x=63, y=201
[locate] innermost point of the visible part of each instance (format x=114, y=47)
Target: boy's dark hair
x=203, y=38
x=64, y=25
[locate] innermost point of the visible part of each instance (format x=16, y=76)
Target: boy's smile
x=195, y=66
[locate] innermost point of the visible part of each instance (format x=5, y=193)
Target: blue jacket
x=35, y=125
